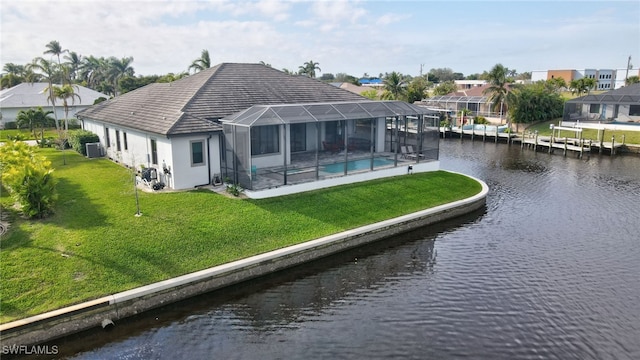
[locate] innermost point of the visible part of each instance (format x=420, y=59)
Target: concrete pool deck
x=107, y=310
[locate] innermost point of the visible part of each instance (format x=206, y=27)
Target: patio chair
x=406, y=154
x=412, y=152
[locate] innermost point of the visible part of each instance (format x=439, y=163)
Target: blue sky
x=353, y=37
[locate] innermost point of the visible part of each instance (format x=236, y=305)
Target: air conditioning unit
x=94, y=150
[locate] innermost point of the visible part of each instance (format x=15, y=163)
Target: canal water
x=550, y=269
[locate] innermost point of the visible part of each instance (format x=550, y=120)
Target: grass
x=7, y=134
x=94, y=245
x=631, y=137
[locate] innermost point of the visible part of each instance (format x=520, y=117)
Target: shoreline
x=106, y=310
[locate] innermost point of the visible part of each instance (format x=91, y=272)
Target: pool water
x=362, y=164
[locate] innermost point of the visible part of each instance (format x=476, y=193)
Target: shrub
x=481, y=120
x=10, y=125
x=78, y=139
x=29, y=179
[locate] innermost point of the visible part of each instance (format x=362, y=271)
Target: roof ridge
x=214, y=70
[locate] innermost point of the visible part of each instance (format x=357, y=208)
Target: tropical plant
x=498, y=88
x=417, y=90
x=582, y=86
x=117, y=69
x=533, y=103
x=557, y=84
x=309, y=68
x=34, y=119
x=394, y=86
x=445, y=88
x=632, y=80
x=370, y=94
x=74, y=64
x=54, y=48
x=49, y=70
x=201, y=63
x=29, y=178
x=66, y=93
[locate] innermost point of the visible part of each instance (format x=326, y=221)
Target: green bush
x=78, y=139
x=10, y=125
x=480, y=120
x=29, y=179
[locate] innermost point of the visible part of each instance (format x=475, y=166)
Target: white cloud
x=343, y=36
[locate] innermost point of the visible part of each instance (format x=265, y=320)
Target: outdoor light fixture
x=410, y=169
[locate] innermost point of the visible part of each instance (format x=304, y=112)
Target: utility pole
x=626, y=75
x=421, y=65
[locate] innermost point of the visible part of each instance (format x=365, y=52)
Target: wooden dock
x=532, y=140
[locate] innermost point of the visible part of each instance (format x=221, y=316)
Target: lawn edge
x=105, y=310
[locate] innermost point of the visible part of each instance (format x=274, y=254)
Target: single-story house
x=26, y=96
x=473, y=99
x=262, y=129
x=620, y=105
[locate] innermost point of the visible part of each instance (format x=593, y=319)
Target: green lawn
x=94, y=245
x=7, y=134
x=631, y=137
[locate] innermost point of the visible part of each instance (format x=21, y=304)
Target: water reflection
x=548, y=270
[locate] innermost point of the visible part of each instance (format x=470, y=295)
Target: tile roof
x=28, y=95
x=193, y=104
x=625, y=95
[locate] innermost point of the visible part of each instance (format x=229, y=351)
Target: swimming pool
x=362, y=164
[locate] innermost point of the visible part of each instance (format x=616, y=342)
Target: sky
x=343, y=36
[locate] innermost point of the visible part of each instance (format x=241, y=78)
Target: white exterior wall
x=10, y=114
x=174, y=152
x=184, y=174
x=538, y=75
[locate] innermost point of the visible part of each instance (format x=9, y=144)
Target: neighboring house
x=262, y=129
x=371, y=82
x=468, y=84
x=606, y=79
x=620, y=105
x=31, y=95
x=356, y=89
x=472, y=99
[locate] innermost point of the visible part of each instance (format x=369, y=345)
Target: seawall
x=106, y=310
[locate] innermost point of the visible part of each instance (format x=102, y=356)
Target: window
x=594, y=108
x=118, y=146
x=197, y=153
x=124, y=137
x=106, y=138
x=265, y=140
x=634, y=110
x=154, y=152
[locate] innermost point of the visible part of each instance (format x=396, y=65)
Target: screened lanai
x=267, y=146
x=479, y=105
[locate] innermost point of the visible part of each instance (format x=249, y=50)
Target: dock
x=531, y=140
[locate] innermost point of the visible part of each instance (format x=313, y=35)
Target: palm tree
x=632, y=80
x=394, y=85
x=74, y=62
x=201, y=63
x=49, y=71
x=14, y=75
x=93, y=70
x=65, y=93
x=34, y=118
x=582, y=85
x=498, y=88
x=118, y=68
x=309, y=68
x=54, y=48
